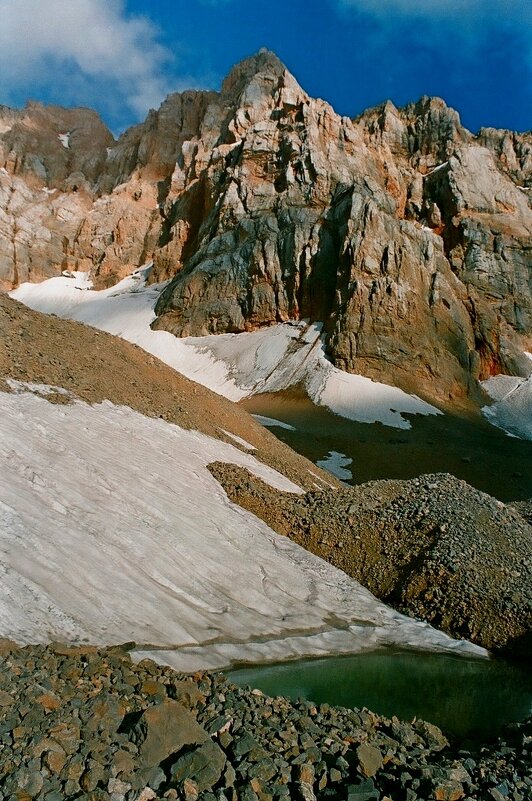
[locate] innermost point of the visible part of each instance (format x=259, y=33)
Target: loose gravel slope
x=433, y=547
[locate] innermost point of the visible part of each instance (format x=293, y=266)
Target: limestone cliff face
x=408, y=237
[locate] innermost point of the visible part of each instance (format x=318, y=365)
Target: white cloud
x=90, y=43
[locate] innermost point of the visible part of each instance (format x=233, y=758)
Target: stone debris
x=432, y=547
x=141, y=732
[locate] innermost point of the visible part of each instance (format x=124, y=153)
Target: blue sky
x=123, y=56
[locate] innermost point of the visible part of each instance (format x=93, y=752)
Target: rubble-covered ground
x=88, y=724
x=432, y=546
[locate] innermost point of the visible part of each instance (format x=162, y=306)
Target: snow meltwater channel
x=113, y=529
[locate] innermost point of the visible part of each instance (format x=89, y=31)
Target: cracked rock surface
x=407, y=236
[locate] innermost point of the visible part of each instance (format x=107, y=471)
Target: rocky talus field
x=433, y=547
x=88, y=724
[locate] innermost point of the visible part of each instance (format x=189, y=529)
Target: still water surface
x=467, y=698
x=469, y=448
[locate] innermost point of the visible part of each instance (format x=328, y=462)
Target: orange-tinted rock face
x=409, y=238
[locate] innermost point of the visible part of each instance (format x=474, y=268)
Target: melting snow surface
x=336, y=463
x=113, y=529
x=512, y=409
x=234, y=365
x=271, y=422
x=39, y=389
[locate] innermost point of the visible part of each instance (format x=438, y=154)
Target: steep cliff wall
x=407, y=236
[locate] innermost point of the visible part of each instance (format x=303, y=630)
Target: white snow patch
x=323, y=483
x=48, y=191
x=271, y=422
x=127, y=310
x=285, y=355
x=38, y=389
x=363, y=400
x=98, y=545
x=64, y=138
x=512, y=410
x=438, y=167
x=336, y=463
x=234, y=365
x=239, y=440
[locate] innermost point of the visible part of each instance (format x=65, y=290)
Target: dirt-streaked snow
x=113, y=529
x=234, y=365
x=512, y=407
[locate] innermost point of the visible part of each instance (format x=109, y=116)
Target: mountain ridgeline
x=408, y=237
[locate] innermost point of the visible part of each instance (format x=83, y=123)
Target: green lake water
x=468, y=698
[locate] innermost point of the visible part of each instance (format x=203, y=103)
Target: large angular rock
x=163, y=730
x=204, y=765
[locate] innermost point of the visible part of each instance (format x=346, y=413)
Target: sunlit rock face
x=407, y=236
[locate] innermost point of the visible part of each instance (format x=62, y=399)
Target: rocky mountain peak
x=262, y=69
x=513, y=152
x=59, y=147
x=425, y=132
x=409, y=238
x=434, y=128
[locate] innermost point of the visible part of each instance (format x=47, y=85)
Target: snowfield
x=337, y=464
x=512, y=407
x=271, y=422
x=233, y=365
x=112, y=529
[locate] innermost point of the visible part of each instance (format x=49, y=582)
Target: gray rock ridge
x=59, y=147
x=406, y=235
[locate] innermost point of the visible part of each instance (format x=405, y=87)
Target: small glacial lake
x=469, y=448
x=468, y=698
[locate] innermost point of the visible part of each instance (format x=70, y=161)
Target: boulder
x=164, y=729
